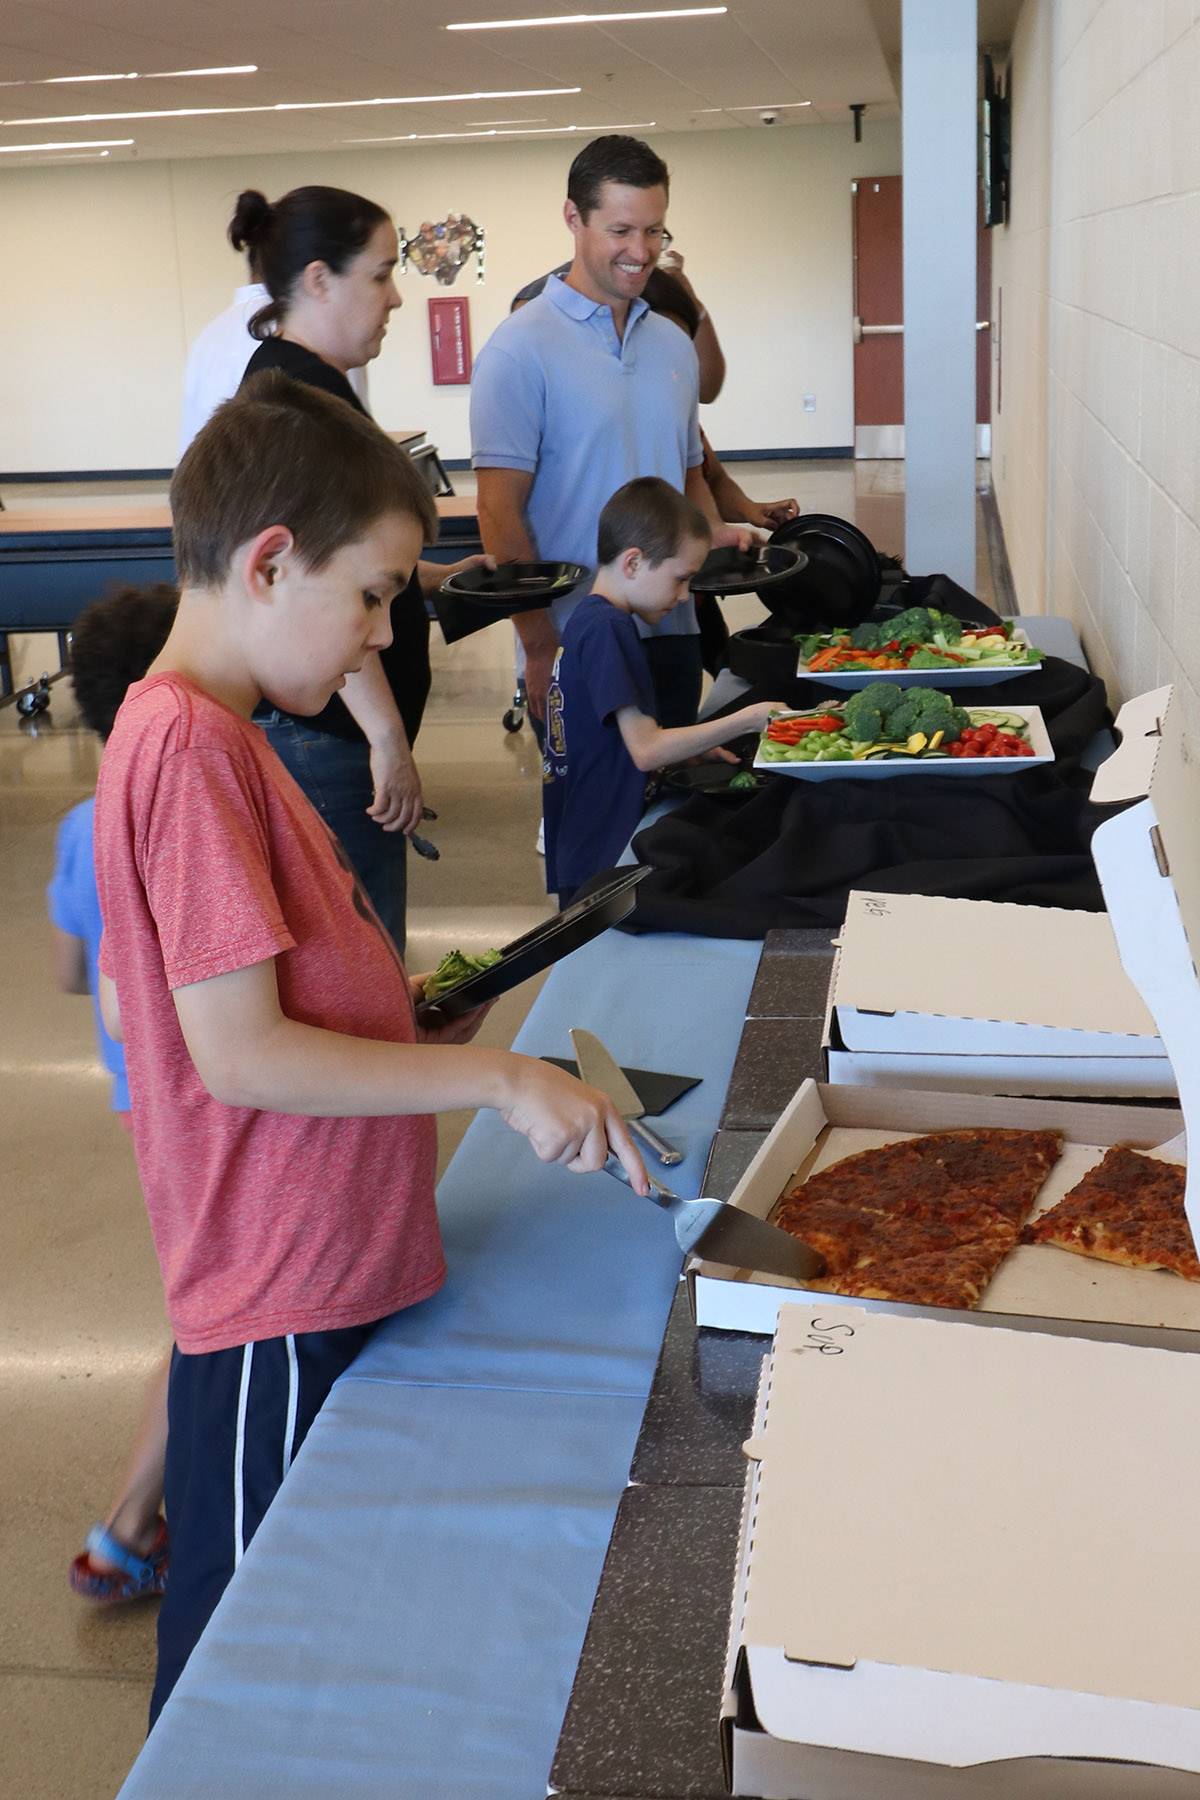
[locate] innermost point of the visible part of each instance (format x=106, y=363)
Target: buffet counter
x=408, y=1619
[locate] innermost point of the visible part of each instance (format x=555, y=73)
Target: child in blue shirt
x=602, y=737
x=115, y=641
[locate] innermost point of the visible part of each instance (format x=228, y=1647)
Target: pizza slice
x=1129, y=1210
x=927, y=1220
x=955, y=1277
x=1004, y=1167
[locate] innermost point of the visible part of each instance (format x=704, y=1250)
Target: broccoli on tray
x=886, y=714
x=917, y=625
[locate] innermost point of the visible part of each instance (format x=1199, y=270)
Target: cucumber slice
x=1005, y=721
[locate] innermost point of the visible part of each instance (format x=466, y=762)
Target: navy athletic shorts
x=235, y=1420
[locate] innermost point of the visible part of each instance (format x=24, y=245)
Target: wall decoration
x=441, y=250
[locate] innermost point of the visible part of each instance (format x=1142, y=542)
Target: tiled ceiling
x=680, y=74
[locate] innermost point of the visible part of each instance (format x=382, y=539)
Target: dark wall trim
x=828, y=452
x=823, y=453
x=1002, y=581
x=8, y=479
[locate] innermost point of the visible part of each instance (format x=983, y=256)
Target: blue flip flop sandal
x=134, y=1577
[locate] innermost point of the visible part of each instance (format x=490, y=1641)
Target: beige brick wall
x=1096, y=442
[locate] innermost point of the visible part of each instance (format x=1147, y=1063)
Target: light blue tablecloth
x=406, y=1624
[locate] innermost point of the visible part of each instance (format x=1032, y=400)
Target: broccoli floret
x=867, y=637
x=927, y=710
x=868, y=713
x=456, y=967
x=946, y=628
x=914, y=626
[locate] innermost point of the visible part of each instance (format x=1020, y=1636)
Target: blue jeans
x=335, y=773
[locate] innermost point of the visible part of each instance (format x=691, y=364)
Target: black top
x=406, y=659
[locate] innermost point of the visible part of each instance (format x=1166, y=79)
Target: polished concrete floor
x=81, y=1316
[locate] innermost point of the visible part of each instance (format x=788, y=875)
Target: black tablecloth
x=788, y=854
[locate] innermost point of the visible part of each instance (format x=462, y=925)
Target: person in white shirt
x=217, y=361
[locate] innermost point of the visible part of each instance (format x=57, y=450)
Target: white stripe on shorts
x=293, y=1401
x=239, y=1454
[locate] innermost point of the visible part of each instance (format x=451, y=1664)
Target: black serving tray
x=840, y=582
x=478, y=597
x=732, y=571
x=538, y=949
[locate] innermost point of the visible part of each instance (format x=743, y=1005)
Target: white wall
x=1096, y=447
x=113, y=269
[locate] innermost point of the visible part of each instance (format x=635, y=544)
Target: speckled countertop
x=642, y=1722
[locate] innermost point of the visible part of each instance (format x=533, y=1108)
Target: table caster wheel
x=34, y=700
x=513, y=720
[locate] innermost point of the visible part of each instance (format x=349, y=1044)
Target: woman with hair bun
x=326, y=258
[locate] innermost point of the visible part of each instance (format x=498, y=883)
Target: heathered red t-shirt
x=209, y=859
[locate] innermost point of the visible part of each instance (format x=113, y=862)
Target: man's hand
x=733, y=537
x=569, y=1123
x=773, y=513
x=539, y=666
x=432, y=575
x=397, y=799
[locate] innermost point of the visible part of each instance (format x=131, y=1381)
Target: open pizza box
x=928, y=992
x=967, y=1568
x=1148, y=859
x=996, y=998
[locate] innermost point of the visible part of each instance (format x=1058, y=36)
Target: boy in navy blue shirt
x=602, y=737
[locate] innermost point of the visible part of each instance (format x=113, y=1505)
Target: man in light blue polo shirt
x=583, y=390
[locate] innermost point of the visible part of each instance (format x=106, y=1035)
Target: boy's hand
x=720, y=754
x=447, y=1031
x=759, y=716
x=455, y=1031
x=567, y=1122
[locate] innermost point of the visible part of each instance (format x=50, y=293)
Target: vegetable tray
x=886, y=768
x=963, y=676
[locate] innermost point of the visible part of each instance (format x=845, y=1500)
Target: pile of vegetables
x=455, y=968
x=919, y=638
x=885, y=720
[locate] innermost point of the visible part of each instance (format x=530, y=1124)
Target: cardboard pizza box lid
x=948, y=1553
x=1148, y=860
x=924, y=974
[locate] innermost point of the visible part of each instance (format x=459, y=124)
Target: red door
x=879, y=322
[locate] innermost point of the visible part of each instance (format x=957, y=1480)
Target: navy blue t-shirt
x=593, y=792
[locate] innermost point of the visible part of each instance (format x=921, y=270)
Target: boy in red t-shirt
x=282, y=1090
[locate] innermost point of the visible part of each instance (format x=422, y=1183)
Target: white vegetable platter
x=883, y=768
x=967, y=676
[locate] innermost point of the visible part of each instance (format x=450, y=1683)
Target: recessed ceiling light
x=606, y=18
x=135, y=75
x=81, y=144
x=427, y=137
x=763, y=106
x=281, y=106
x=54, y=161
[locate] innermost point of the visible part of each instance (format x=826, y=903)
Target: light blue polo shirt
x=559, y=395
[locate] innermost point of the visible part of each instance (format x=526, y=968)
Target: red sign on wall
x=450, y=340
